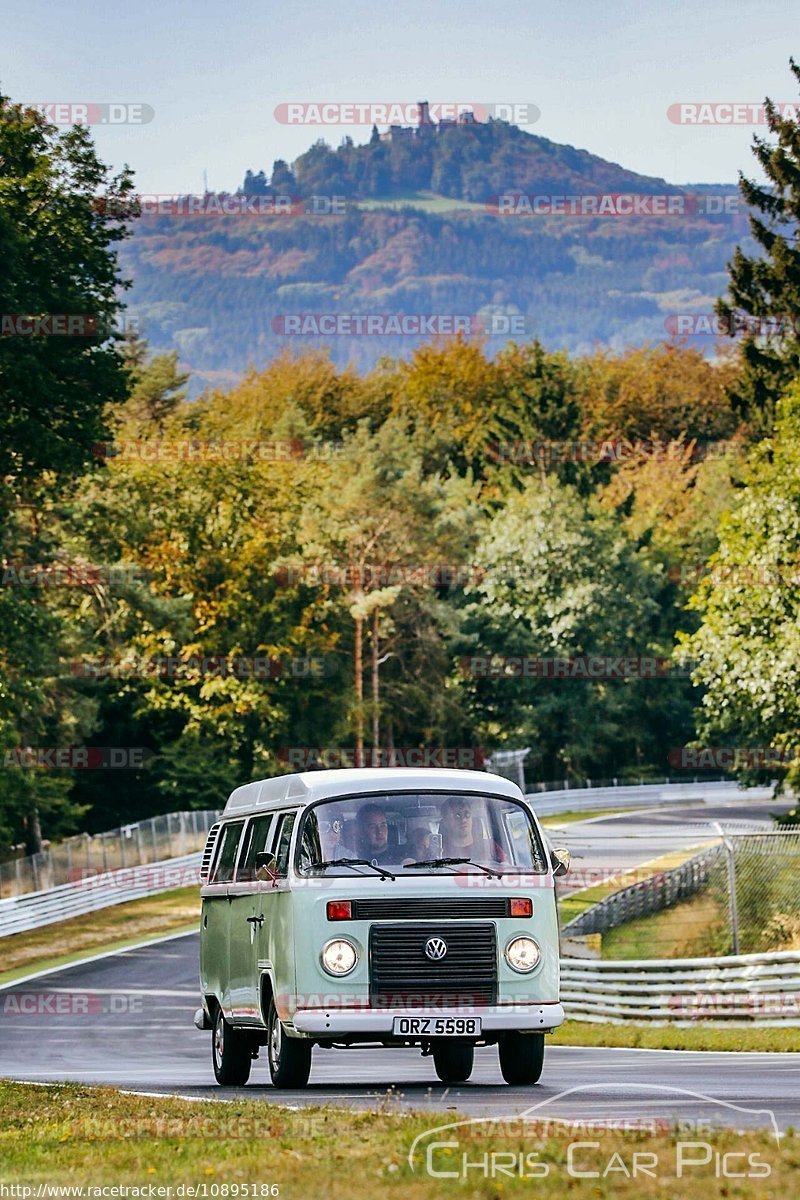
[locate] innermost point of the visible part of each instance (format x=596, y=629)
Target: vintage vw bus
x=394, y=907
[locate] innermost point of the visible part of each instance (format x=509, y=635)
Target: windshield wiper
x=453, y=862
x=354, y=862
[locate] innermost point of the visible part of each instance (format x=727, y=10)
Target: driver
x=460, y=831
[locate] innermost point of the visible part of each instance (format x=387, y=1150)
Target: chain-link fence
x=739, y=893
x=153, y=840
x=757, y=882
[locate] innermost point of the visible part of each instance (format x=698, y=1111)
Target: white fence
x=647, y=795
x=758, y=989
x=35, y=909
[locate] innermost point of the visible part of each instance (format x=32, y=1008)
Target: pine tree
x=763, y=299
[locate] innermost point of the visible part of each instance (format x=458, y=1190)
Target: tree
x=282, y=179
x=747, y=649
x=57, y=233
x=765, y=287
x=157, y=386
x=561, y=580
x=56, y=247
x=373, y=509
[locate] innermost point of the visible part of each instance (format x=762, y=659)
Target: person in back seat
x=373, y=835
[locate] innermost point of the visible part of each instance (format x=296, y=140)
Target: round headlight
x=523, y=954
x=339, y=957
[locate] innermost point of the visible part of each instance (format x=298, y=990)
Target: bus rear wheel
x=453, y=1061
x=521, y=1057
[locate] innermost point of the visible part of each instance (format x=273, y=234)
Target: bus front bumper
x=371, y=1023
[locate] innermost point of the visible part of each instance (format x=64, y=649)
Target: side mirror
x=267, y=862
x=559, y=859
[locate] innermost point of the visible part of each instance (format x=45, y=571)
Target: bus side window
x=282, y=840
x=255, y=842
x=226, y=852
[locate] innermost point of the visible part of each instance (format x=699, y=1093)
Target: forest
x=592, y=555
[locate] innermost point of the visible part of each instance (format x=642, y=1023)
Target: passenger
x=419, y=845
x=461, y=837
x=330, y=830
x=373, y=835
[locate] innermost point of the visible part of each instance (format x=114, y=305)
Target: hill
x=409, y=225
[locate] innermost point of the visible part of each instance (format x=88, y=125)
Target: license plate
x=436, y=1027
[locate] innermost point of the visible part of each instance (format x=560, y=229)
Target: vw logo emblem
x=435, y=948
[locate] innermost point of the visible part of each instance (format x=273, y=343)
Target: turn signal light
x=342, y=910
x=522, y=906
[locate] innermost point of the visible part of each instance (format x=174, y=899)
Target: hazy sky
x=603, y=75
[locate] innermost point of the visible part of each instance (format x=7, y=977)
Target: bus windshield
x=398, y=830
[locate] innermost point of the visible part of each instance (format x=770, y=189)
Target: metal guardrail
x=150, y=841
x=757, y=989
x=661, y=890
x=648, y=795
x=35, y=909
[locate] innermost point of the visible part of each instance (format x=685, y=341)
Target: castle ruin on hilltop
x=426, y=126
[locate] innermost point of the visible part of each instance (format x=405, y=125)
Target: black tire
x=521, y=1057
x=230, y=1053
x=289, y=1058
x=453, y=1061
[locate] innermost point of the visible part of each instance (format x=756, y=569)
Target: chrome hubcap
x=219, y=1035
x=275, y=1041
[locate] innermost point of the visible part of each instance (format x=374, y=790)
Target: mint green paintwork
x=236, y=954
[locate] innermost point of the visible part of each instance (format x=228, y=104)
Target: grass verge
x=569, y=818
x=573, y=904
x=674, y=1037
x=693, y=928
x=72, y=1135
x=111, y=928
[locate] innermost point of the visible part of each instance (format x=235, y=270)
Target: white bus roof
x=322, y=785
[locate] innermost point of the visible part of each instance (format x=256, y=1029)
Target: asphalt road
x=604, y=846
x=126, y=1020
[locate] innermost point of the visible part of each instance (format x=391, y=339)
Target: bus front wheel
x=289, y=1058
x=453, y=1061
x=521, y=1057
x=230, y=1053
